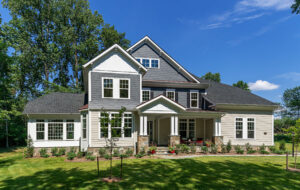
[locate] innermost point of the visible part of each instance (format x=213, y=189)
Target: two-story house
x=165, y=105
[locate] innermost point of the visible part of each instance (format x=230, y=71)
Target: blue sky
x=257, y=41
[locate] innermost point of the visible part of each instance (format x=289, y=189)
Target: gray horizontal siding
x=97, y=102
x=165, y=72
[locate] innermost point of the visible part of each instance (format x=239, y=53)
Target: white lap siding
x=45, y=143
x=96, y=141
x=263, y=127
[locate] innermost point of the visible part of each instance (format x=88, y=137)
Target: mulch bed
x=111, y=180
x=294, y=169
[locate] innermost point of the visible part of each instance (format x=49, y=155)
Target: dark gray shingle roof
x=56, y=102
x=220, y=93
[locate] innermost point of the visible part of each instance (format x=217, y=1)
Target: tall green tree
x=241, y=84
x=212, y=76
x=110, y=36
x=291, y=100
x=296, y=7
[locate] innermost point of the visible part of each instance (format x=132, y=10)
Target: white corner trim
x=164, y=53
x=116, y=46
x=161, y=97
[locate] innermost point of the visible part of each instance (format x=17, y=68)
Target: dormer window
x=149, y=62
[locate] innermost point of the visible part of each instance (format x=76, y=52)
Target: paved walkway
x=218, y=155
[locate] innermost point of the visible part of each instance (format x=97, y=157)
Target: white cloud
x=294, y=76
x=265, y=4
x=262, y=85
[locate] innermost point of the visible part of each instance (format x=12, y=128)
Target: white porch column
x=176, y=125
x=141, y=125
x=172, y=125
x=145, y=125
x=217, y=127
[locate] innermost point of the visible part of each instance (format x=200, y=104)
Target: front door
x=164, y=131
x=150, y=131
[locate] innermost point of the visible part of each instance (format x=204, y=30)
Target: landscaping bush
x=272, y=149
x=251, y=151
x=71, y=154
x=129, y=152
x=204, y=149
x=282, y=145
x=107, y=156
x=116, y=153
x=238, y=149
x=223, y=148
x=123, y=156
x=54, y=151
x=213, y=149
x=80, y=154
x=184, y=148
x=28, y=152
x=102, y=152
x=89, y=156
x=193, y=149
x=228, y=146
x=262, y=149
x=43, y=153
x=142, y=151
x=62, y=151
x=248, y=147
x=139, y=155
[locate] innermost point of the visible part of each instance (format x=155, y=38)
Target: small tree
x=105, y=122
x=294, y=131
x=241, y=84
x=214, y=77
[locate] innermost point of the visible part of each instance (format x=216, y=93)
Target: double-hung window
x=114, y=125
x=250, y=127
x=187, y=128
x=84, y=126
x=55, y=130
x=239, y=128
x=154, y=63
x=194, y=99
x=146, y=63
x=70, y=129
x=124, y=88
x=108, y=88
x=40, y=130
x=149, y=62
x=171, y=95
x=145, y=95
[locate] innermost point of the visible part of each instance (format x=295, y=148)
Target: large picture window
x=239, y=128
x=124, y=88
x=187, y=128
x=118, y=127
x=250, y=126
x=55, y=130
x=70, y=129
x=108, y=88
x=194, y=99
x=40, y=130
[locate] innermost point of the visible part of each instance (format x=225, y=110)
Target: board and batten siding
x=263, y=124
x=96, y=141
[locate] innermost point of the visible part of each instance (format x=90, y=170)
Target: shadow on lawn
x=165, y=174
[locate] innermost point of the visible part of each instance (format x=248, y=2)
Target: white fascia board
x=161, y=97
x=121, y=50
x=162, y=51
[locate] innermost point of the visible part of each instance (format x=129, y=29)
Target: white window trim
x=122, y=126
x=85, y=126
x=171, y=91
x=149, y=94
x=150, y=60
x=116, y=88
x=191, y=99
x=187, y=128
x=245, y=128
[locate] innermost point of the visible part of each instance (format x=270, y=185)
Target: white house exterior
x=165, y=105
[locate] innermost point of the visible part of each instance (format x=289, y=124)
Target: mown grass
x=197, y=173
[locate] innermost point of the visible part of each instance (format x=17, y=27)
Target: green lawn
x=198, y=173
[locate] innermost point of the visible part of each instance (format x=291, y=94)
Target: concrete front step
x=162, y=151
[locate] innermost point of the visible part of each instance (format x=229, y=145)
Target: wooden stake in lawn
x=109, y=124
x=121, y=167
x=287, y=161
x=98, y=166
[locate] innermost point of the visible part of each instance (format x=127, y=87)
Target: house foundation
x=174, y=140
x=143, y=142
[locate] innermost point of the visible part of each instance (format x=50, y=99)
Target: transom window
x=70, y=129
x=250, y=126
x=171, y=95
x=119, y=126
x=55, y=130
x=146, y=95
x=194, y=99
x=187, y=128
x=124, y=88
x=149, y=62
x=239, y=128
x=40, y=129
x=84, y=126
x=108, y=88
